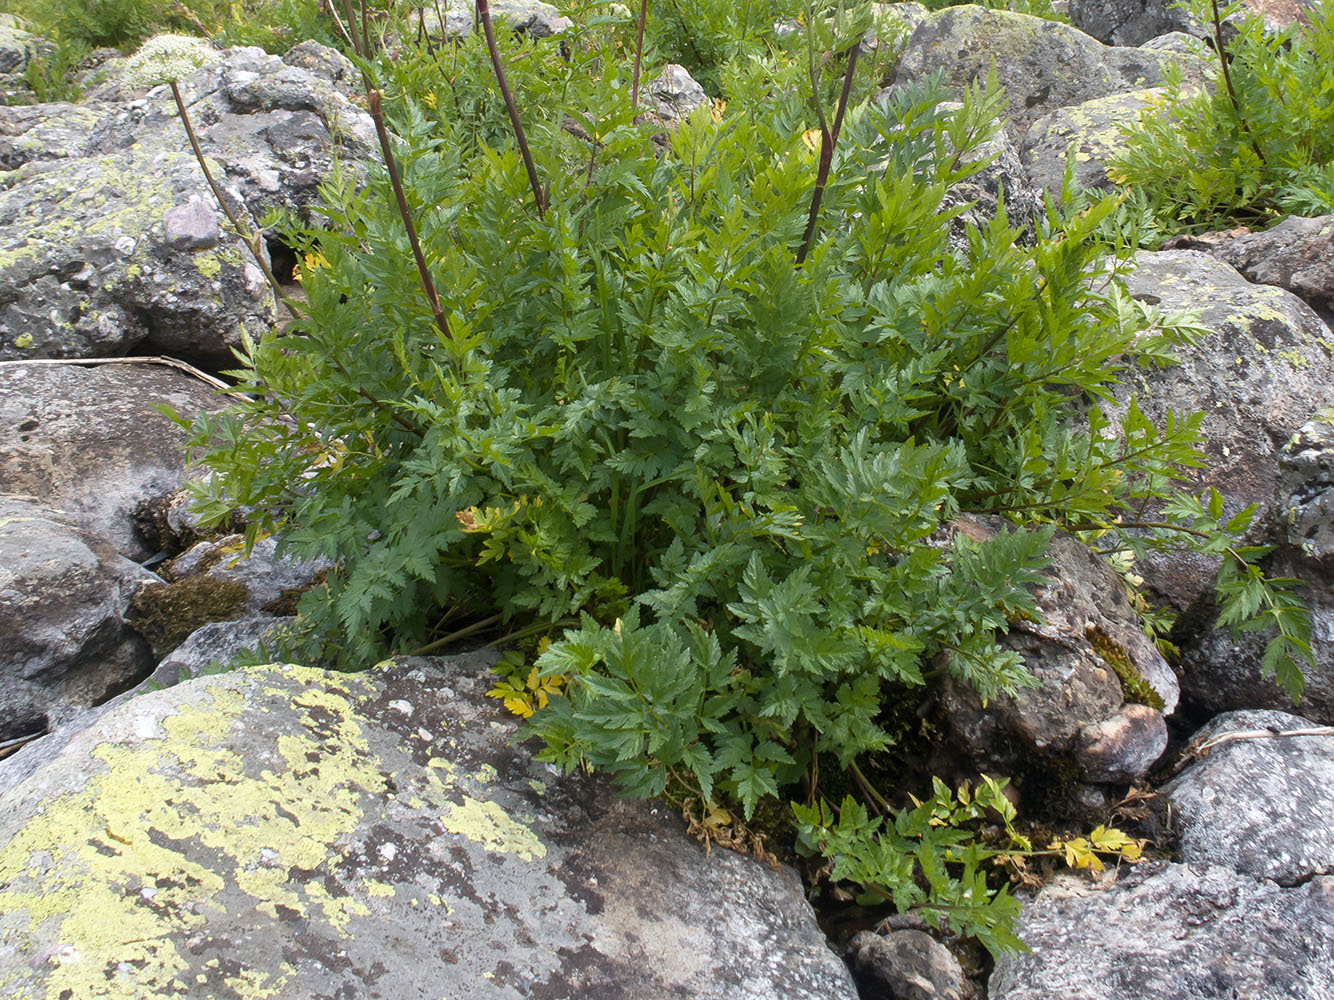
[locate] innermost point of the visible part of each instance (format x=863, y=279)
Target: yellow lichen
x=487, y=824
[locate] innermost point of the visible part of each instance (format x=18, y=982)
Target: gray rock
x=215, y=643
x=1256, y=378
x=1261, y=807
x=904, y=965
x=1306, y=480
x=191, y=226
x=323, y=834
x=1133, y=22
x=1173, y=932
x=37, y=132
x=530, y=17
x=1042, y=64
x=1130, y=22
x=89, y=441
x=1094, y=130
x=1004, y=177
x=329, y=65
x=86, y=270
x=1297, y=254
x=18, y=47
x=268, y=579
x=1122, y=748
x=1088, y=624
x=1220, y=675
x=674, y=93
x=63, y=594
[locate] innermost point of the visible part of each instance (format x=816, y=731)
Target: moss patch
x=1133, y=685
x=166, y=613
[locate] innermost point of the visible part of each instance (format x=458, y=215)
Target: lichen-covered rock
x=1306, y=488
x=1297, y=254
x=90, y=441
x=1173, y=932
x=1094, y=129
x=1261, y=807
x=1090, y=657
x=271, y=582
x=87, y=270
x=903, y=965
x=1257, y=377
x=63, y=595
x=285, y=831
x=1042, y=64
x=35, y=132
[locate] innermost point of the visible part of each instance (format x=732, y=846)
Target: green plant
x=1258, y=144
x=715, y=452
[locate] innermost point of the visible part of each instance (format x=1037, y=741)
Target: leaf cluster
x=1255, y=146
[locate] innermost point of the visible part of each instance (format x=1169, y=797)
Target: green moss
x=1133, y=685
x=166, y=613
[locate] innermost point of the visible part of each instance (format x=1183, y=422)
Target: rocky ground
x=289, y=831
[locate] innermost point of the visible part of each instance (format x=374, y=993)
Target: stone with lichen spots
x=285, y=831
x=1041, y=64
x=1258, y=374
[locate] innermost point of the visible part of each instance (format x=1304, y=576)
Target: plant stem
x=462, y=633
x=639, y=55
x=1227, y=80
x=828, y=137
x=250, y=239
x=423, y=272
x=484, y=15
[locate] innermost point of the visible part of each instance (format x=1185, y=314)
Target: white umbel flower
x=165, y=58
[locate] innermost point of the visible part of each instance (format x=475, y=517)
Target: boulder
x=1297, y=254
x=1094, y=667
x=1042, y=64
x=529, y=17
x=275, y=128
x=1003, y=178
x=1263, y=369
x=88, y=269
x=1133, y=22
x=93, y=259
x=63, y=596
x=904, y=964
x=89, y=441
x=1093, y=129
x=674, y=93
x=18, y=47
x=32, y=133
x=295, y=832
x=1173, y=932
x=215, y=645
x=1260, y=806
x=1219, y=674
x=271, y=582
